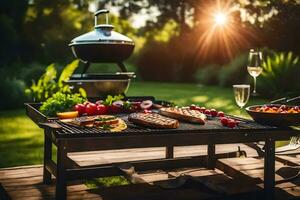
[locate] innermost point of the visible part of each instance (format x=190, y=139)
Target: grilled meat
x=184, y=114
x=153, y=120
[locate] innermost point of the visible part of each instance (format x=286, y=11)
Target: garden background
x=177, y=55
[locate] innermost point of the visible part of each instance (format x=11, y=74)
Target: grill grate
x=212, y=125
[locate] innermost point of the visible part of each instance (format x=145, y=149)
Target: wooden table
x=69, y=139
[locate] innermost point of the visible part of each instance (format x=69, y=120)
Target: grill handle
x=50, y=125
x=285, y=100
x=101, y=12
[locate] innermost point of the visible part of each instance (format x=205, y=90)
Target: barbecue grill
x=67, y=130
x=102, y=45
x=69, y=138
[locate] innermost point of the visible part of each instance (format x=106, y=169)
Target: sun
x=220, y=19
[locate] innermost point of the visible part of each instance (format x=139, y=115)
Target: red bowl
x=274, y=119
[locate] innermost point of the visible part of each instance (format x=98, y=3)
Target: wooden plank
x=292, y=160
x=37, y=190
x=213, y=180
x=116, y=156
x=248, y=169
x=28, y=184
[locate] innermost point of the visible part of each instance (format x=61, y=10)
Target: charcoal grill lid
x=103, y=34
x=103, y=76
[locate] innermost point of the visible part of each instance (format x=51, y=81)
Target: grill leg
x=61, y=183
x=169, y=152
x=47, y=156
x=269, y=169
x=211, y=156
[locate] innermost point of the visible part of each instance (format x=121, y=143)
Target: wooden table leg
x=269, y=169
x=61, y=182
x=170, y=152
x=47, y=155
x=211, y=156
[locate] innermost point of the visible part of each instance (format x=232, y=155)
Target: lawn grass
x=21, y=141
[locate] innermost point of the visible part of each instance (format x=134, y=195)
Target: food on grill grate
x=67, y=115
x=107, y=122
x=184, y=114
x=80, y=121
x=153, y=120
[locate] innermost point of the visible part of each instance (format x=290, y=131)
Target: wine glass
x=254, y=66
x=241, y=94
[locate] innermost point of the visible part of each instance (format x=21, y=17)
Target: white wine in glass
x=241, y=94
x=254, y=71
x=254, y=66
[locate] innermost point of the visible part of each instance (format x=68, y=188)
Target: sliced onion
x=146, y=104
x=99, y=102
x=118, y=104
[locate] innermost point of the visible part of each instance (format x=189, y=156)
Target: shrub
x=280, y=75
x=235, y=72
x=48, y=84
x=12, y=94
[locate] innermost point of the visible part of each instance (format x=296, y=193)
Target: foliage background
x=36, y=33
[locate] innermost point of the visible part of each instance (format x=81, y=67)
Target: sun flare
x=220, y=18
x=221, y=31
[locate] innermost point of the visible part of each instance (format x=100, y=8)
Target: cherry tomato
x=193, y=107
x=207, y=112
x=80, y=108
x=231, y=123
x=101, y=109
x=213, y=112
x=202, y=109
x=224, y=121
x=91, y=109
x=220, y=114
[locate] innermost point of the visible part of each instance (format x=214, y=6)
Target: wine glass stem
x=254, y=90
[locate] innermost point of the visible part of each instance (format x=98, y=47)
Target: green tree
x=12, y=14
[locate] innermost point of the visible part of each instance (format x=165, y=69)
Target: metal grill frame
x=65, y=141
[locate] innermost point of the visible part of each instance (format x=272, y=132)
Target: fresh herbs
x=106, y=126
x=110, y=99
x=60, y=102
x=104, y=119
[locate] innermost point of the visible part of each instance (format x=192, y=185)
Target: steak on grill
x=184, y=114
x=153, y=120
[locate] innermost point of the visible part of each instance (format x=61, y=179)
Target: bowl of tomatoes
x=275, y=114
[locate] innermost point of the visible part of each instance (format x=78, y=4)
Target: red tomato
x=193, y=107
x=220, y=114
x=91, y=109
x=102, y=109
x=213, y=112
x=207, y=112
x=80, y=108
x=224, y=121
x=231, y=123
x=202, y=109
